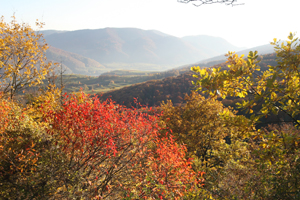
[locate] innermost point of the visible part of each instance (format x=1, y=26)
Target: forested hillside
x=154, y=92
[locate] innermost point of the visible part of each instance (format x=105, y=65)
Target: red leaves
x=117, y=140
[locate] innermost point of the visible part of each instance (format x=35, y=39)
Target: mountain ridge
x=133, y=46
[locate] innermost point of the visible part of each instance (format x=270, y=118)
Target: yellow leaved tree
x=265, y=94
x=22, y=56
x=215, y=139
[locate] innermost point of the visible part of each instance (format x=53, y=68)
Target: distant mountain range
x=93, y=52
x=262, y=50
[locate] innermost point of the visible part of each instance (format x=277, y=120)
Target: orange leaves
x=4, y=110
x=171, y=168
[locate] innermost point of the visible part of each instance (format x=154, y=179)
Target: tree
x=276, y=91
x=201, y=125
x=272, y=91
x=203, y=2
x=22, y=56
x=214, y=137
x=278, y=162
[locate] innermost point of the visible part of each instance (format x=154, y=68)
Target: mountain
x=262, y=50
x=50, y=32
x=74, y=63
x=137, y=47
x=211, y=45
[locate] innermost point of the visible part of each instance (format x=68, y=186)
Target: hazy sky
x=255, y=23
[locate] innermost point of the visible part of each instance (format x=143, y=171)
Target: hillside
x=153, y=92
x=74, y=63
x=211, y=45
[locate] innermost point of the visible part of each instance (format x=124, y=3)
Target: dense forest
x=177, y=137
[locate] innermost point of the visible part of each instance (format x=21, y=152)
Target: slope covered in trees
x=153, y=92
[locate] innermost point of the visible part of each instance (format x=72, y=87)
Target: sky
x=254, y=23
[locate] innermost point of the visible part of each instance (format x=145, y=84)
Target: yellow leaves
x=226, y=113
x=203, y=72
x=242, y=94
x=18, y=132
x=273, y=96
x=278, y=87
x=23, y=55
x=61, y=189
x=290, y=37
x=203, y=123
x=214, y=70
x=195, y=69
x=49, y=100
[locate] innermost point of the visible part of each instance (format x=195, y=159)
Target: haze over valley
x=93, y=52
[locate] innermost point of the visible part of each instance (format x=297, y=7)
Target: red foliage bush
x=118, y=151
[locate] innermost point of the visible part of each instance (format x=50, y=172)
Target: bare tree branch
x=201, y=2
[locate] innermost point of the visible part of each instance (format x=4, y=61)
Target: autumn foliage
x=90, y=149
x=21, y=151
x=115, y=149
x=79, y=147
x=270, y=165
x=22, y=56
